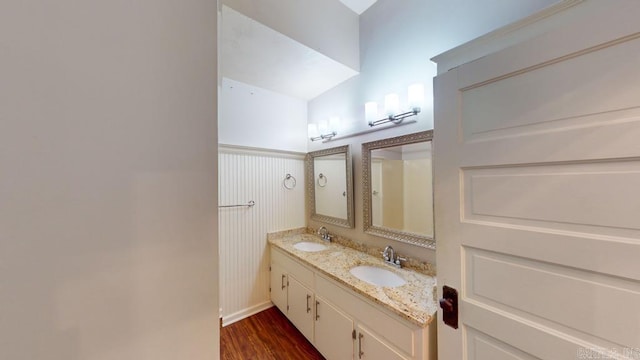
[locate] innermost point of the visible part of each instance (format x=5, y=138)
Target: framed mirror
x=398, y=188
x=330, y=186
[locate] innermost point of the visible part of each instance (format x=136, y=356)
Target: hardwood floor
x=267, y=335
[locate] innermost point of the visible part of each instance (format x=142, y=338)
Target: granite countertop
x=414, y=301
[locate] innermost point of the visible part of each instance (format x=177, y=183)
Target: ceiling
x=358, y=6
x=255, y=54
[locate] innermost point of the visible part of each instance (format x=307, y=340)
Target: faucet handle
x=399, y=258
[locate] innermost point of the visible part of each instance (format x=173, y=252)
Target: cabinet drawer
x=303, y=274
x=392, y=330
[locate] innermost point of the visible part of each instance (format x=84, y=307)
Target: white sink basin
x=309, y=246
x=377, y=276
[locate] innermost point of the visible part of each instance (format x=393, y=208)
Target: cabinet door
x=279, y=287
x=370, y=347
x=333, y=332
x=300, y=307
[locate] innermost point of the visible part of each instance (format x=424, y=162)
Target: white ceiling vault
x=255, y=54
x=258, y=55
x=358, y=6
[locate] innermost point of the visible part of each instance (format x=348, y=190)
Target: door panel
x=538, y=202
x=333, y=329
x=519, y=333
x=570, y=300
x=370, y=347
x=279, y=287
x=300, y=307
x=481, y=346
x=535, y=101
x=552, y=194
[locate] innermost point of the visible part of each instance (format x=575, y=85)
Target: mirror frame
x=398, y=235
x=349, y=222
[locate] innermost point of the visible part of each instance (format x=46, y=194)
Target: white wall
x=255, y=117
x=108, y=244
x=418, y=196
x=244, y=255
x=326, y=26
x=397, y=39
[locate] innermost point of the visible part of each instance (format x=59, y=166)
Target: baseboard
x=245, y=313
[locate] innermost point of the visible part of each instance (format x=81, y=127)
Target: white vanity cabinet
x=291, y=291
x=340, y=323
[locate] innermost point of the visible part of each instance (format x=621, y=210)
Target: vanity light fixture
x=324, y=130
x=392, y=107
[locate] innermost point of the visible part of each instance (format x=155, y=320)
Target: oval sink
x=377, y=276
x=309, y=246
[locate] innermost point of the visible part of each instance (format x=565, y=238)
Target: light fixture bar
x=327, y=136
x=396, y=119
x=369, y=131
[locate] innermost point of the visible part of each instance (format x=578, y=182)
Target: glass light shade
x=312, y=130
x=334, y=124
x=391, y=104
x=371, y=111
x=416, y=96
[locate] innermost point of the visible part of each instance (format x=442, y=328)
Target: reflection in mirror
x=330, y=186
x=401, y=186
x=398, y=190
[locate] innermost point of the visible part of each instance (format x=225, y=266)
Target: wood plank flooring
x=267, y=335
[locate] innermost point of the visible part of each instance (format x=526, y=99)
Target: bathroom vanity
x=341, y=314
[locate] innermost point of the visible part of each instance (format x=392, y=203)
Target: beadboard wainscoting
x=247, y=174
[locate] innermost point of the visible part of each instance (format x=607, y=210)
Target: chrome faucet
x=390, y=257
x=389, y=254
x=324, y=234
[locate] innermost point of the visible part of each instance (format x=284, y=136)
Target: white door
x=537, y=185
x=376, y=193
